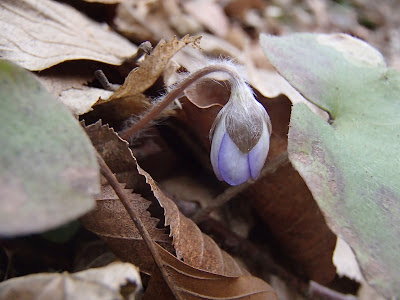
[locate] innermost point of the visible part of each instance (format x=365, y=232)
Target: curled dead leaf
x=195, y=284
x=198, y=251
x=100, y=283
x=41, y=34
x=140, y=79
x=129, y=100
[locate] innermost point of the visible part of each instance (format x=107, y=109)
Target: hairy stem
x=176, y=92
x=121, y=193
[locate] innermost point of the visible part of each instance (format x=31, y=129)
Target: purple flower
x=240, y=137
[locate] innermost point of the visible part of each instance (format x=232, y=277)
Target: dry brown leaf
x=129, y=99
x=210, y=14
x=198, y=251
x=194, y=284
x=41, y=34
x=140, y=79
x=288, y=209
x=239, y=8
x=123, y=237
x=105, y=1
x=179, y=20
x=189, y=242
x=100, y=283
x=143, y=20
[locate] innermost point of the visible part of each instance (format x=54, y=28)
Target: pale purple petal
x=219, y=132
x=232, y=163
x=258, y=155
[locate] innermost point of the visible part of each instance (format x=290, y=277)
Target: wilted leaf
x=122, y=236
x=105, y=1
x=192, y=284
x=210, y=14
x=351, y=165
x=101, y=283
x=41, y=34
x=191, y=245
x=189, y=242
x=129, y=100
x=48, y=169
x=143, y=21
x=140, y=79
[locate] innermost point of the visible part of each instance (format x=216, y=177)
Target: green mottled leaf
x=48, y=168
x=352, y=163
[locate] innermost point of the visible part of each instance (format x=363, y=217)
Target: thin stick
x=172, y=95
x=121, y=193
x=102, y=78
x=230, y=192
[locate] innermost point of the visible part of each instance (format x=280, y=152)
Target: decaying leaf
x=196, y=249
x=140, y=79
x=210, y=14
x=195, y=284
x=41, y=34
x=190, y=244
x=48, y=167
x=69, y=83
x=129, y=100
x=105, y=1
x=100, y=283
x=143, y=20
x=122, y=236
x=350, y=165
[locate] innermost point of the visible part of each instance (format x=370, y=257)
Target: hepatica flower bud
x=240, y=136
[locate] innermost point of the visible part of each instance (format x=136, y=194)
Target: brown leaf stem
x=121, y=193
x=230, y=192
x=176, y=92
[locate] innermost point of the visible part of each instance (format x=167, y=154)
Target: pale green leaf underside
x=48, y=168
x=352, y=165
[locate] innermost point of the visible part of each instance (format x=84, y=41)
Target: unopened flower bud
x=240, y=137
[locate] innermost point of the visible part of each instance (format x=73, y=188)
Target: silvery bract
x=240, y=137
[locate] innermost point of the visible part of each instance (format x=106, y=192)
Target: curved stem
x=178, y=90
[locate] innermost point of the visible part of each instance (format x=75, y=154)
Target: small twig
x=104, y=81
x=230, y=192
x=121, y=193
x=144, y=48
x=173, y=94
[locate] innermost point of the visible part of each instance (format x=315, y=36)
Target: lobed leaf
x=350, y=165
x=48, y=167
